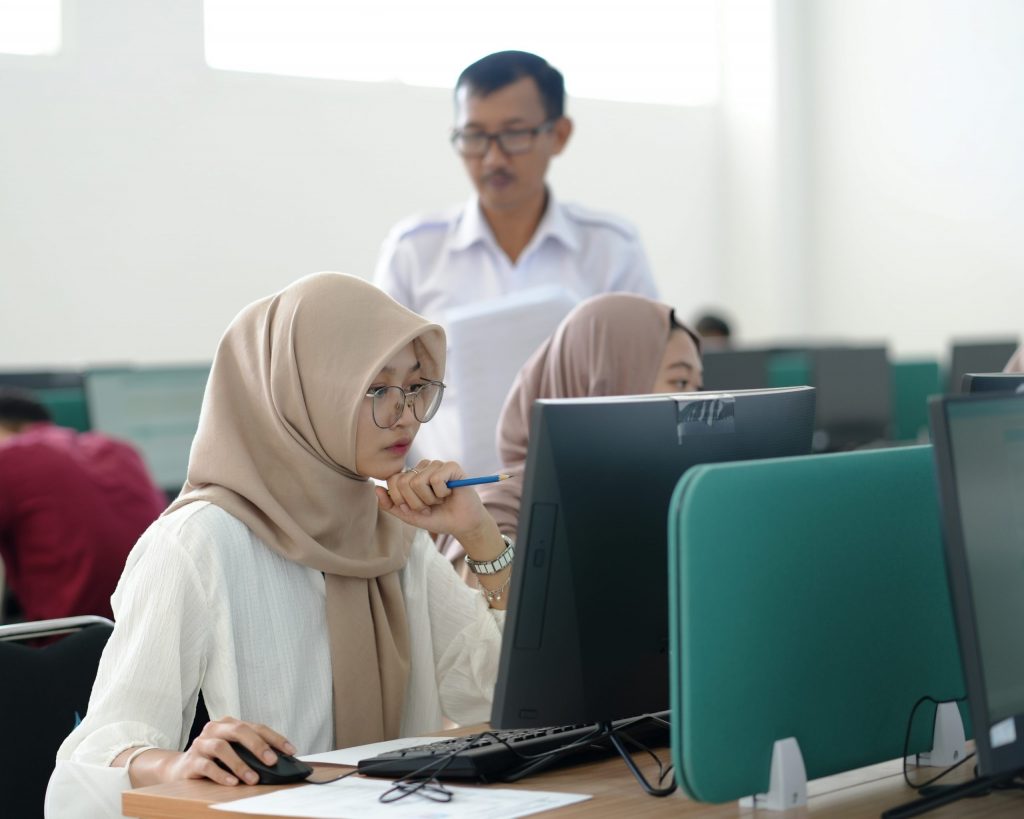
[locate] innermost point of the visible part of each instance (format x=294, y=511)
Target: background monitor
x=978, y=357
x=979, y=455
x=586, y=638
x=154, y=408
x=735, y=369
x=854, y=400
x=62, y=392
x=992, y=382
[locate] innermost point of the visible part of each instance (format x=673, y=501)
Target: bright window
x=29, y=26
x=653, y=51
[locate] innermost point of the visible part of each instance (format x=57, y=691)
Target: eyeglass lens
x=389, y=403
x=511, y=142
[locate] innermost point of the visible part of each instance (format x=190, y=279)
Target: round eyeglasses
x=390, y=402
x=475, y=144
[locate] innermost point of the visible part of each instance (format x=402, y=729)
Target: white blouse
x=204, y=603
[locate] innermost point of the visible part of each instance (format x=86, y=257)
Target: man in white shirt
x=513, y=235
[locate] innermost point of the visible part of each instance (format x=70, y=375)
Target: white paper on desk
x=488, y=343
x=352, y=756
x=357, y=798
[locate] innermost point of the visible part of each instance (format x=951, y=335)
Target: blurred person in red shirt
x=72, y=506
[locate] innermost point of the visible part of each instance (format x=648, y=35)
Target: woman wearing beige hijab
x=611, y=344
x=308, y=606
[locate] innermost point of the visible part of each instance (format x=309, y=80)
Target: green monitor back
x=62, y=392
x=156, y=409
x=808, y=599
x=913, y=382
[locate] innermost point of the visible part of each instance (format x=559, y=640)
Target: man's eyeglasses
x=513, y=141
x=390, y=402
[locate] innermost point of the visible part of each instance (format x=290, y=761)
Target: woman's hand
x=199, y=761
x=421, y=498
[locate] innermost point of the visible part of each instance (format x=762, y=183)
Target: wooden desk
x=862, y=793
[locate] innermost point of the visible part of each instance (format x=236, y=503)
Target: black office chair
x=44, y=691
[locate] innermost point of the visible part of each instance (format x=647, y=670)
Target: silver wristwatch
x=496, y=565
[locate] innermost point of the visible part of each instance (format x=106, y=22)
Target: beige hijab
x=610, y=344
x=276, y=448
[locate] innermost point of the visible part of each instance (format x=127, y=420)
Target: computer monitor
x=62, y=392
x=586, y=639
x=854, y=400
x=992, y=382
x=978, y=357
x=154, y=408
x=735, y=369
x=979, y=456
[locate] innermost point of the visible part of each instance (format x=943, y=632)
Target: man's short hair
x=711, y=324
x=502, y=68
x=18, y=406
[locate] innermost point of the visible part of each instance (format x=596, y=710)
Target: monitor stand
x=616, y=736
x=980, y=786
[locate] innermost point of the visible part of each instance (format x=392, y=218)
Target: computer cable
x=906, y=744
x=428, y=786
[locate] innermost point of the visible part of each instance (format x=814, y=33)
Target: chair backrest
x=808, y=599
x=44, y=692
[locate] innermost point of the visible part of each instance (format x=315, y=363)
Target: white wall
x=861, y=178
x=145, y=198
x=915, y=217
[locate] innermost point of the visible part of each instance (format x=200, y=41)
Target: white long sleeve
x=205, y=604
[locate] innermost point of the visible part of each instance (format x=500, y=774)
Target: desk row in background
x=863, y=397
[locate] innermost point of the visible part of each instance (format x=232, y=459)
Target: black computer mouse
x=286, y=769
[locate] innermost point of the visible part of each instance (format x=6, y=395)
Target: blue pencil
x=474, y=481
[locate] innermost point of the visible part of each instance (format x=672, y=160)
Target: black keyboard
x=501, y=756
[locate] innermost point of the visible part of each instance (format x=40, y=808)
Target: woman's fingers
x=214, y=743
x=251, y=737
x=206, y=768
x=211, y=749
x=425, y=485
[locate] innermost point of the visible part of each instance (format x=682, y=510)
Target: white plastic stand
x=948, y=740
x=787, y=785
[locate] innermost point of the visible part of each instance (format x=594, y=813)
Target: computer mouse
x=286, y=769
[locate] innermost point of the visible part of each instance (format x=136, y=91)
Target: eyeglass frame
x=545, y=127
x=408, y=399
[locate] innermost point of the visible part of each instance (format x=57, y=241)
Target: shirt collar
x=555, y=223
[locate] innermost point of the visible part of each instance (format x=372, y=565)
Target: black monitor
x=979, y=456
x=978, y=357
x=735, y=369
x=992, y=382
x=586, y=639
x=854, y=401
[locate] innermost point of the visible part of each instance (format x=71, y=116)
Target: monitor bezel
x=988, y=382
